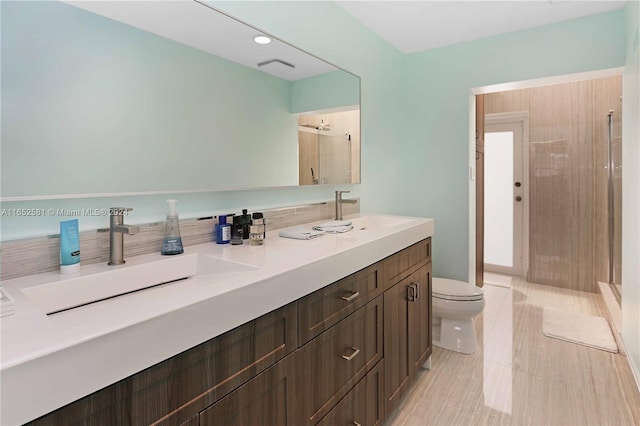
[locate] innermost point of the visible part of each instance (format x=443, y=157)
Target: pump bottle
x=172, y=242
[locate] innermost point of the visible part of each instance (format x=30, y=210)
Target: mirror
x=104, y=98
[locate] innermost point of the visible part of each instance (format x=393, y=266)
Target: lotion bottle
x=223, y=230
x=172, y=242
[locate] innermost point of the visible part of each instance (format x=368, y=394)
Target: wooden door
x=398, y=367
x=479, y=190
x=420, y=317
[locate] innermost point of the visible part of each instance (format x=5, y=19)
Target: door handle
x=518, y=198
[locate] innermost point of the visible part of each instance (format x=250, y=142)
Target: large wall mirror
x=104, y=97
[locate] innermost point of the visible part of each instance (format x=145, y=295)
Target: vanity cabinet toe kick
x=344, y=354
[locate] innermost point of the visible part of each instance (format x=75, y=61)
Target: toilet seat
x=446, y=289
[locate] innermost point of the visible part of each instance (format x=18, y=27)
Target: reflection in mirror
x=329, y=147
x=112, y=98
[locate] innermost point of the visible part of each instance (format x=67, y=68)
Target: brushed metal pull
x=417, y=289
x=356, y=351
x=411, y=293
x=356, y=423
x=354, y=294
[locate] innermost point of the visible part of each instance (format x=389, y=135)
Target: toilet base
x=455, y=335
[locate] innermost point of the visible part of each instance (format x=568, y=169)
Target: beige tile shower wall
x=564, y=200
x=307, y=158
x=37, y=255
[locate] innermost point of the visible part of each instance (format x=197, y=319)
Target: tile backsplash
x=41, y=254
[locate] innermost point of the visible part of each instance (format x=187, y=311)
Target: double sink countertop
x=48, y=361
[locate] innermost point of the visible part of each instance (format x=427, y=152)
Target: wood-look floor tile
x=518, y=376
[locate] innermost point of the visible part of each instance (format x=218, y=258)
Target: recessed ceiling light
x=261, y=39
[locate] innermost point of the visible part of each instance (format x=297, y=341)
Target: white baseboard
x=635, y=369
x=615, y=316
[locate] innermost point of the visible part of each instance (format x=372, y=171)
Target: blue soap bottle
x=223, y=230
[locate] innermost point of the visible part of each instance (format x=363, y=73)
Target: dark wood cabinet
x=266, y=400
x=420, y=315
x=325, y=307
x=407, y=332
x=177, y=389
x=345, y=354
x=364, y=405
x=331, y=364
x=405, y=262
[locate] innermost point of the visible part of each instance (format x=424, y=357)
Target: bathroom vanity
x=310, y=332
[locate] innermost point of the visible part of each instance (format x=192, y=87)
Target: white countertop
x=50, y=361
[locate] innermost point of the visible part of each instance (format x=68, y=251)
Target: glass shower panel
x=334, y=158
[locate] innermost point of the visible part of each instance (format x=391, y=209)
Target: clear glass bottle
x=172, y=242
x=257, y=231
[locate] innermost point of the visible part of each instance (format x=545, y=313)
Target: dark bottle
x=245, y=221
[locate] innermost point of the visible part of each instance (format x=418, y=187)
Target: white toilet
x=455, y=303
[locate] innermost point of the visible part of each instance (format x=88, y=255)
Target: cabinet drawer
x=325, y=307
x=405, y=262
x=175, y=390
x=268, y=399
x=335, y=361
x=363, y=405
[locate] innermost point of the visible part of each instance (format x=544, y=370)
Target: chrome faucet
x=117, y=229
x=340, y=202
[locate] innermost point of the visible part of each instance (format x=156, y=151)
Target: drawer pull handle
x=417, y=289
x=353, y=295
x=411, y=293
x=356, y=423
x=356, y=351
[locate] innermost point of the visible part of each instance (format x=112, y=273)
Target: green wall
x=435, y=148
x=325, y=91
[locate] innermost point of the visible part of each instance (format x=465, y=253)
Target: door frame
x=502, y=87
x=521, y=119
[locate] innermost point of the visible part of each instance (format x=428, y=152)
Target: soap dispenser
x=172, y=242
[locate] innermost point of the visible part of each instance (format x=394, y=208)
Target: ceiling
x=413, y=26
x=195, y=24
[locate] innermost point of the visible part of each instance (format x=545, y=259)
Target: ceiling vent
x=276, y=67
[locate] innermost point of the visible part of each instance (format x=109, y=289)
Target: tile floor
x=520, y=377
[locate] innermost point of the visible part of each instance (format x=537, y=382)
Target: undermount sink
x=378, y=222
x=67, y=293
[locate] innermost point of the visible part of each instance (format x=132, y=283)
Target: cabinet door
x=420, y=317
x=407, y=332
x=268, y=399
x=397, y=367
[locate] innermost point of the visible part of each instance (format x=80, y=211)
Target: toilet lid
x=446, y=289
